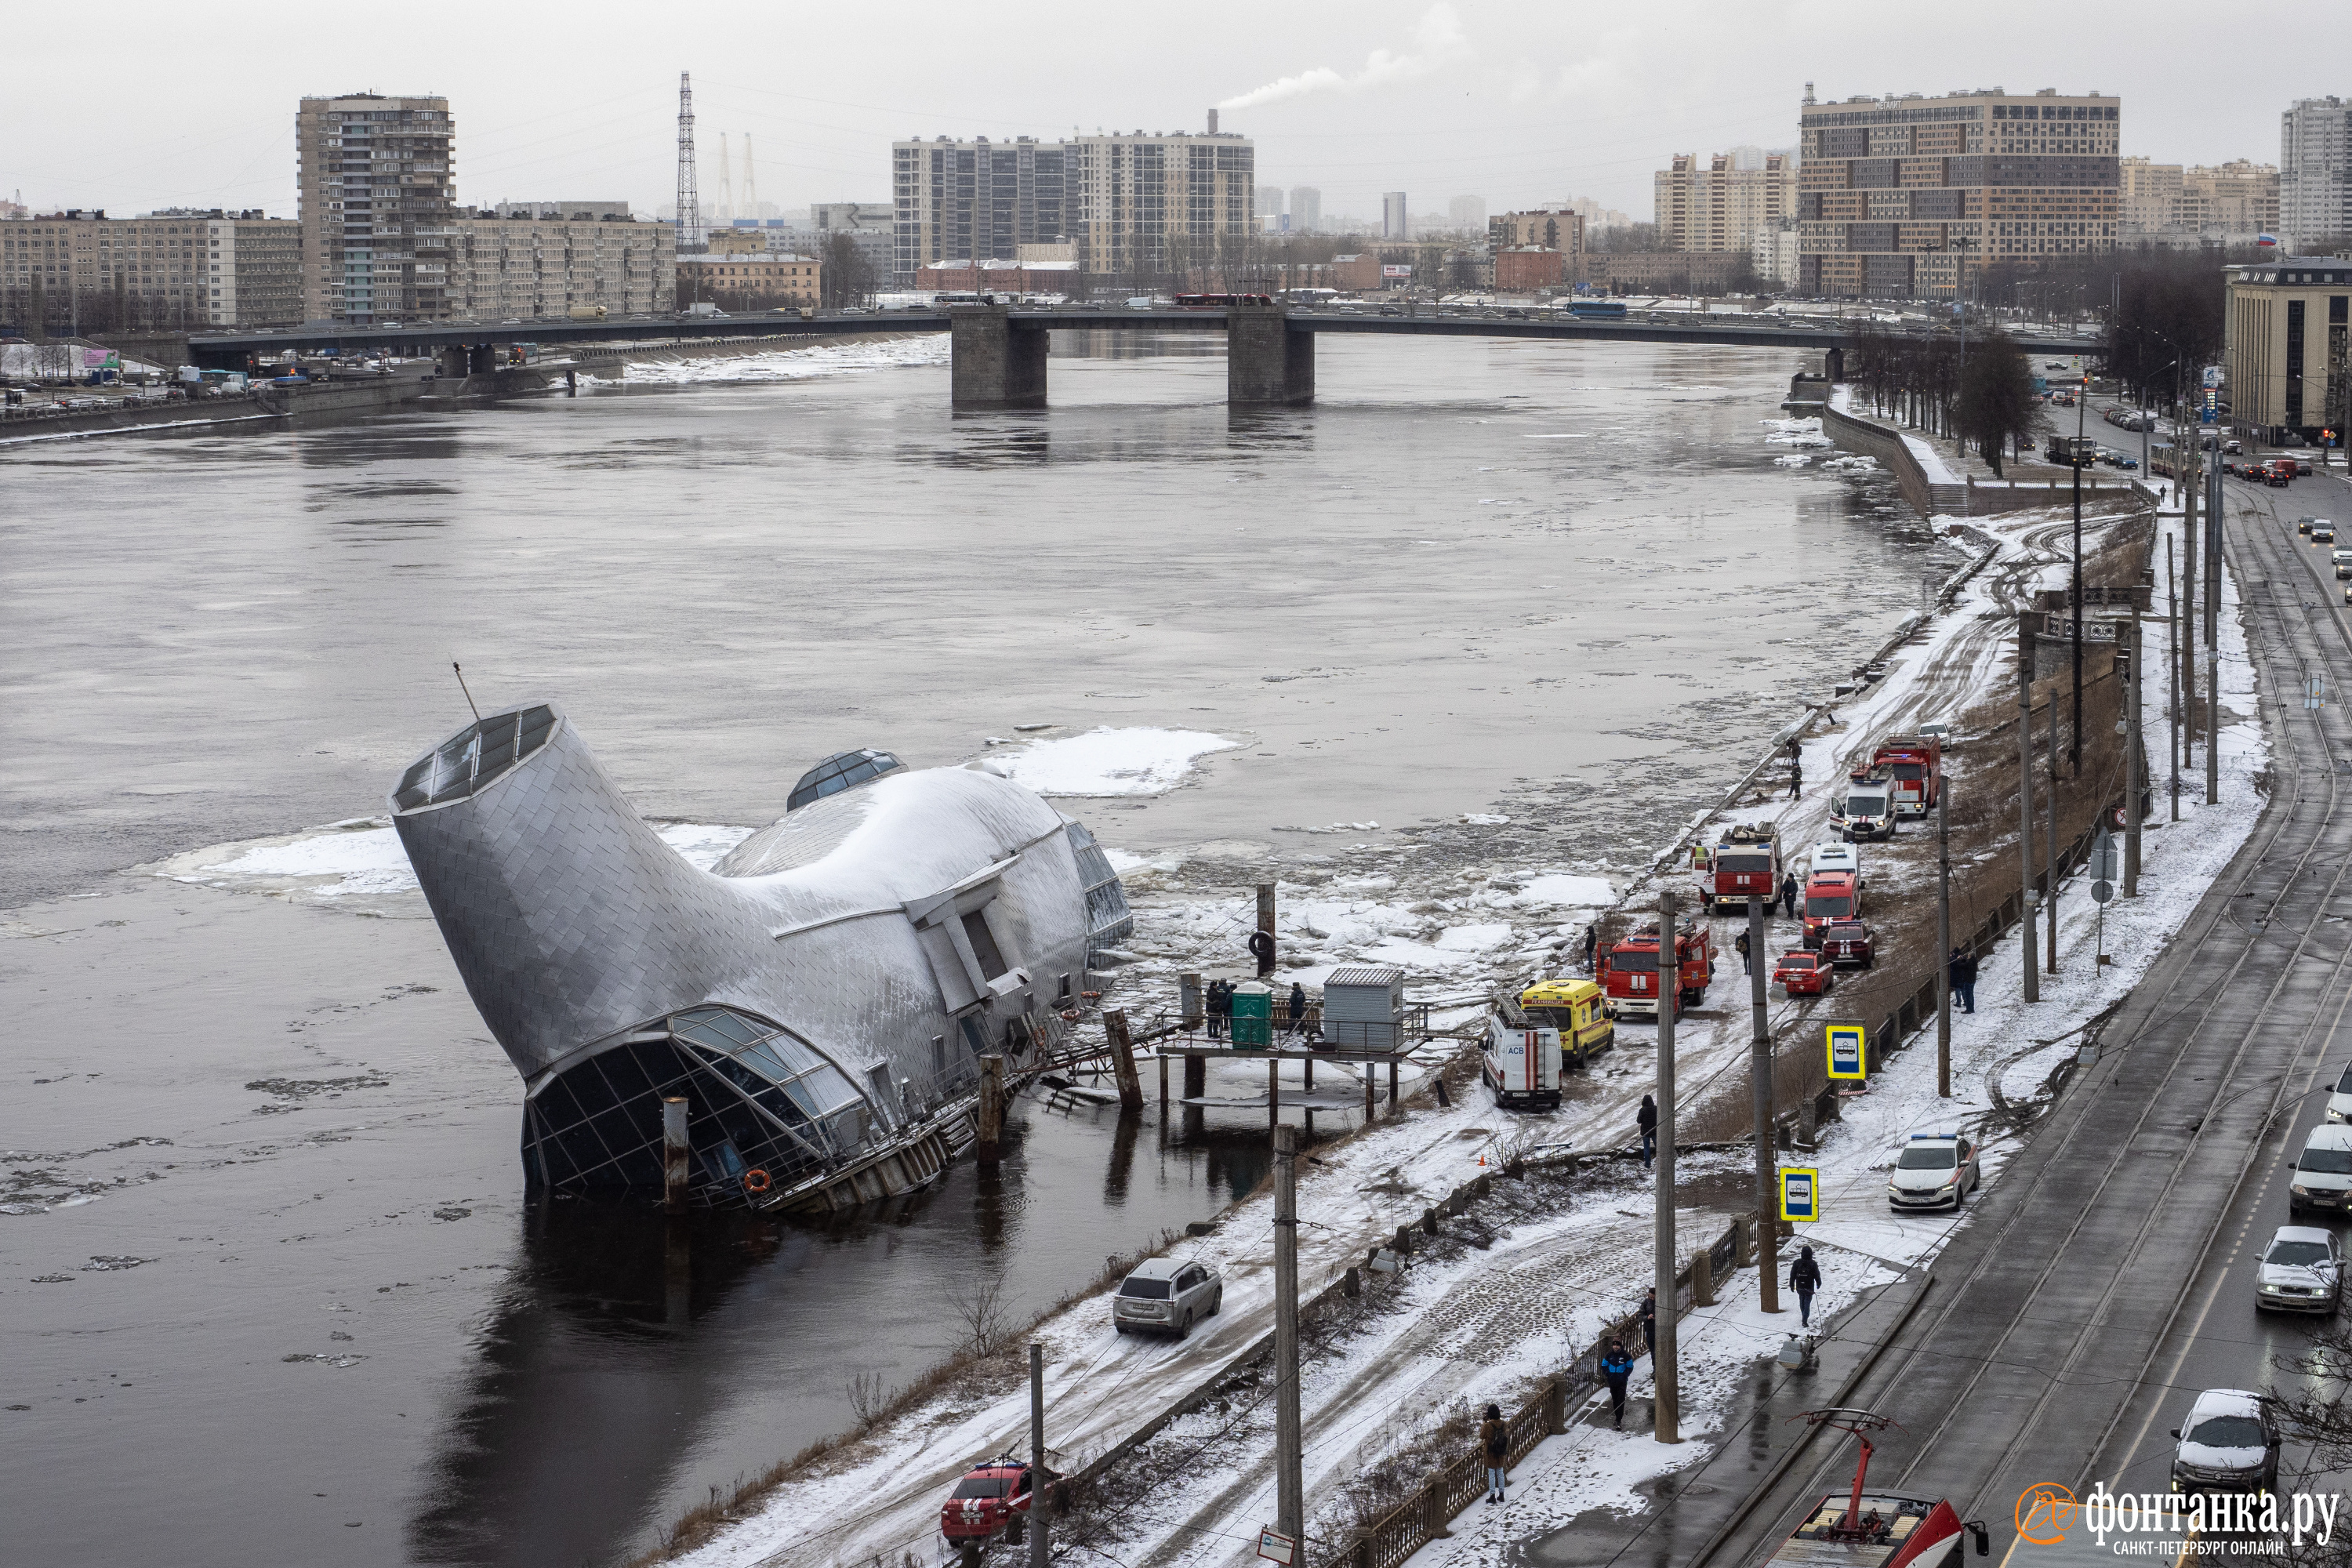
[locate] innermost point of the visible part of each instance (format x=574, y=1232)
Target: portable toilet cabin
x=1253, y=1014
x=1363, y=1007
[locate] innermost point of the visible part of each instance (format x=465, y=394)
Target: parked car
x=1936, y=1168
x=1803, y=974
x=2323, y=1171
x=993, y=1496
x=1168, y=1294
x=2302, y=1271
x=2229, y=1443
x=1849, y=942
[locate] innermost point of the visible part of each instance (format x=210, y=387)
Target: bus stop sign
x=1801, y=1192
x=1845, y=1051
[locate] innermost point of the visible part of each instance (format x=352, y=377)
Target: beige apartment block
x=2167, y=205
x=1552, y=228
x=2288, y=323
x=1897, y=196
x=168, y=271
x=377, y=178
x=519, y=265
x=1721, y=204
x=1148, y=206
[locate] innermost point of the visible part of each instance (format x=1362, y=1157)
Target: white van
x=2323, y=1171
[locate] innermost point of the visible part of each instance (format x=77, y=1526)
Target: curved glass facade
x=841, y=771
x=473, y=757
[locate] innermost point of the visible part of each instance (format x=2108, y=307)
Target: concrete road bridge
x=998, y=354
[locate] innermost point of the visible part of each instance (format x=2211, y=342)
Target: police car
x=1936, y=1169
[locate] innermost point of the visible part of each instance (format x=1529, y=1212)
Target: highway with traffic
x=2108, y=1277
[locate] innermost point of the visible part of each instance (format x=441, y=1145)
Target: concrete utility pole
x=2135, y=765
x=2082, y=404
x=1038, y=1490
x=1666, y=1428
x=2050, y=863
x=2173, y=702
x=1760, y=1071
x=2025, y=804
x=1290, y=1493
x=1943, y=939
x=2191, y=482
x=2213, y=643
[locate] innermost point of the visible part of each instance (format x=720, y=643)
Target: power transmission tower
x=751, y=185
x=689, y=197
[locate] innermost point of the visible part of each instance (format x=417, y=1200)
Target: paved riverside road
x=2105, y=1279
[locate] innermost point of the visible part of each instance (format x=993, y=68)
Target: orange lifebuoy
x=755, y=1180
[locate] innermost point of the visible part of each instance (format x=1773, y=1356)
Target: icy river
x=1442, y=656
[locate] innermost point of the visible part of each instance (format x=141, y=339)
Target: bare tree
x=978, y=1305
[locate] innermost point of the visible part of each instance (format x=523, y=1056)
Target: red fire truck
x=1829, y=896
x=1913, y=767
x=1856, y=1529
x=1630, y=970
x=1746, y=865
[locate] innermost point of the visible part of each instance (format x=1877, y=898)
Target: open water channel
x=269, y=1291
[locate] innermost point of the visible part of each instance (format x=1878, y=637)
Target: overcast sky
x=1516, y=100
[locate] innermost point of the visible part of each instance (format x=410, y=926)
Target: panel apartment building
x=521, y=260
x=1132, y=204
x=1892, y=191
x=1724, y=204
x=2315, y=174
x=172, y=271
x=379, y=205
x=2231, y=204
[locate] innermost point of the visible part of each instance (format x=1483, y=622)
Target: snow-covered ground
x=1483, y=1323
x=2005, y=1051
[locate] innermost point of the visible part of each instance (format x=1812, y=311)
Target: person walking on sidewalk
x=1789, y=894
x=1616, y=1366
x=1804, y=1279
x=1747, y=963
x=1495, y=1448
x=1646, y=1121
x=1964, y=978
x=1650, y=1323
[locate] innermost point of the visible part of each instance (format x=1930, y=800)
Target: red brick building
x=1525, y=268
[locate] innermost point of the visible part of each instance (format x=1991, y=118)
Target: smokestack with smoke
x=1212, y=122
x=1437, y=42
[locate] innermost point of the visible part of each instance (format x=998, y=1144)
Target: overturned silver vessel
x=819, y=998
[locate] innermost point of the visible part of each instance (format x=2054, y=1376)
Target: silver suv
x=1169, y=1294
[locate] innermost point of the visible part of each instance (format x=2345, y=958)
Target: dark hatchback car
x=1849, y=942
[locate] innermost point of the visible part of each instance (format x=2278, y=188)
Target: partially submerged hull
x=820, y=999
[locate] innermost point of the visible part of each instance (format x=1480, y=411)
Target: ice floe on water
x=1112, y=761
x=1855, y=464
x=1806, y=433
x=363, y=858
x=1792, y=461
x=794, y=364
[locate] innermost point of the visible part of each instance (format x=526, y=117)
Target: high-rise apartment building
x=1269, y=201
x=2315, y=174
x=1894, y=193
x=1143, y=205
x=1466, y=214
x=378, y=183
x=958, y=200
x=1724, y=203
x=1396, y=223
x=2229, y=204
x=1306, y=209
x=168, y=271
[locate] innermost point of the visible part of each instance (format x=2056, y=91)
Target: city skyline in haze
x=1518, y=102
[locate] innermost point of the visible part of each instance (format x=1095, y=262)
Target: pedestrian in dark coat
x=1964, y=978
x=1747, y=963
x=1494, y=1449
x=1796, y=779
x=1297, y=1008
x=1646, y=1121
x=1221, y=1007
x=1789, y=894
x=1650, y=1322
x=1591, y=942
x=1616, y=1366
x=1804, y=1279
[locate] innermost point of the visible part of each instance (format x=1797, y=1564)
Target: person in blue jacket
x=1616, y=1366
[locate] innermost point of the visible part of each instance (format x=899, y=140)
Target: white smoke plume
x=1437, y=41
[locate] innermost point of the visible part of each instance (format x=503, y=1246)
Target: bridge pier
x=994, y=362
x=1266, y=363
